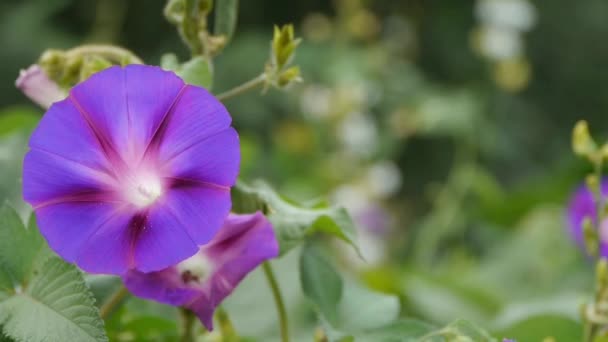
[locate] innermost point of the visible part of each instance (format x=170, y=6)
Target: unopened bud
x=36, y=85
x=283, y=45
x=582, y=143
x=289, y=76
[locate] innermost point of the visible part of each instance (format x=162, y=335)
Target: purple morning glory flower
x=201, y=282
x=582, y=204
x=36, y=85
x=131, y=171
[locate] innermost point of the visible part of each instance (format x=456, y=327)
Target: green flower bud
x=283, y=45
x=289, y=76
x=582, y=143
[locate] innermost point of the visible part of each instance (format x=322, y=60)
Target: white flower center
x=144, y=191
x=195, y=269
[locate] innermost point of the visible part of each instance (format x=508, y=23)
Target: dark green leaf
x=292, y=222
x=320, y=282
x=226, y=13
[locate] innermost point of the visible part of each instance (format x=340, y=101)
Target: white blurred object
x=315, y=101
x=507, y=14
x=359, y=134
x=498, y=43
x=384, y=178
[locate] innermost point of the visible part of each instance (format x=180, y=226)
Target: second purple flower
x=132, y=171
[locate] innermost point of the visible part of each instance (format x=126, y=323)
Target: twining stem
x=188, y=319
x=251, y=84
x=225, y=324
x=113, y=53
x=278, y=299
x=114, y=300
x=591, y=327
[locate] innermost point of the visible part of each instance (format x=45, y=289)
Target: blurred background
x=443, y=126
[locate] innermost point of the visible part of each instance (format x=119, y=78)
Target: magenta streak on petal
x=86, y=196
x=156, y=139
x=179, y=182
x=113, y=156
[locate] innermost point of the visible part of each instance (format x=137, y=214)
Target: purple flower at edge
x=131, y=171
x=582, y=204
x=201, y=282
x=36, y=85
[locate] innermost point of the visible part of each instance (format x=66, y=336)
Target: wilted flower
x=582, y=205
x=201, y=282
x=132, y=171
x=36, y=85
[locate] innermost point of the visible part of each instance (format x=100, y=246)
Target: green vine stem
x=594, y=320
x=251, y=84
x=113, y=301
x=278, y=299
x=187, y=319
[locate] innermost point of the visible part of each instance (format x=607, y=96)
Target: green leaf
x=226, y=13
x=169, y=61
x=459, y=330
x=399, y=331
x=362, y=309
x=56, y=306
x=19, y=249
x=292, y=223
x=197, y=71
x=539, y=327
x=320, y=282
x=18, y=119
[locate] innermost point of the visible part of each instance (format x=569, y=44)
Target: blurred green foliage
x=476, y=226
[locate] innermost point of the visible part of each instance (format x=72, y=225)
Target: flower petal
x=244, y=242
x=67, y=226
x=65, y=132
x=162, y=241
x=101, y=99
x=128, y=112
x=201, y=209
x=149, y=106
x=109, y=249
x=213, y=160
x=196, y=116
x=163, y=286
x=48, y=177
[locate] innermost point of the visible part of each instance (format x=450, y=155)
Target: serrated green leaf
x=226, y=13
x=320, y=282
x=19, y=249
x=56, y=306
x=197, y=71
x=292, y=223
